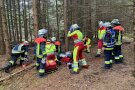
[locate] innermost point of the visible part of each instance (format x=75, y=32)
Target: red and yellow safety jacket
x=58, y=46
x=101, y=33
x=39, y=48
x=77, y=36
x=118, y=34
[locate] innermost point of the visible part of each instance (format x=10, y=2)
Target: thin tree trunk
x=15, y=21
x=5, y=31
x=2, y=47
x=30, y=30
x=35, y=18
x=25, y=21
x=8, y=17
x=19, y=14
x=11, y=20
x=65, y=24
x=57, y=18
x=134, y=27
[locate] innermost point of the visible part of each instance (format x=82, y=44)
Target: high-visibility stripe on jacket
x=20, y=48
x=101, y=32
x=76, y=35
x=109, y=39
x=118, y=34
x=39, y=48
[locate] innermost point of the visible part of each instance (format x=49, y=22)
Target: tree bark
x=2, y=47
x=35, y=17
x=5, y=31
x=65, y=24
x=57, y=18
x=19, y=14
x=134, y=26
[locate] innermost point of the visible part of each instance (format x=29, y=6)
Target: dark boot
x=21, y=62
x=37, y=68
x=42, y=75
x=98, y=55
x=107, y=66
x=58, y=62
x=7, y=68
x=73, y=72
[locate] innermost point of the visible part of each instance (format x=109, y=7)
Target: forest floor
x=120, y=77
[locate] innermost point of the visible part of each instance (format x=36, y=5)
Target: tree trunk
x=65, y=24
x=5, y=31
x=57, y=18
x=25, y=21
x=134, y=26
x=19, y=14
x=35, y=17
x=15, y=21
x=2, y=47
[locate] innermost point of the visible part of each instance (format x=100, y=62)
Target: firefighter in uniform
x=108, y=43
x=57, y=44
x=118, y=38
x=39, y=50
x=58, y=48
x=74, y=32
x=20, y=50
x=101, y=32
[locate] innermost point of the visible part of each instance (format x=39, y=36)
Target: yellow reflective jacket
x=101, y=33
x=76, y=35
x=50, y=48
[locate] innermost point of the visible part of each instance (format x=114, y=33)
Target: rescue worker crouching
x=74, y=32
x=118, y=37
x=57, y=44
x=39, y=51
x=87, y=42
x=20, y=50
x=101, y=32
x=108, y=43
x=58, y=49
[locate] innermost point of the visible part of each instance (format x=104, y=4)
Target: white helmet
x=25, y=43
x=100, y=23
x=74, y=27
x=107, y=24
x=115, y=21
x=53, y=39
x=42, y=31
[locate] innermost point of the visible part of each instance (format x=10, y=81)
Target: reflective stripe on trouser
x=108, y=57
x=42, y=66
x=111, y=61
x=107, y=62
x=99, y=51
x=41, y=70
x=38, y=62
x=75, y=67
x=120, y=56
x=117, y=52
x=75, y=59
x=75, y=53
x=117, y=58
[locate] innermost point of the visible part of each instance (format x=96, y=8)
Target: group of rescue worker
x=110, y=40
x=109, y=37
